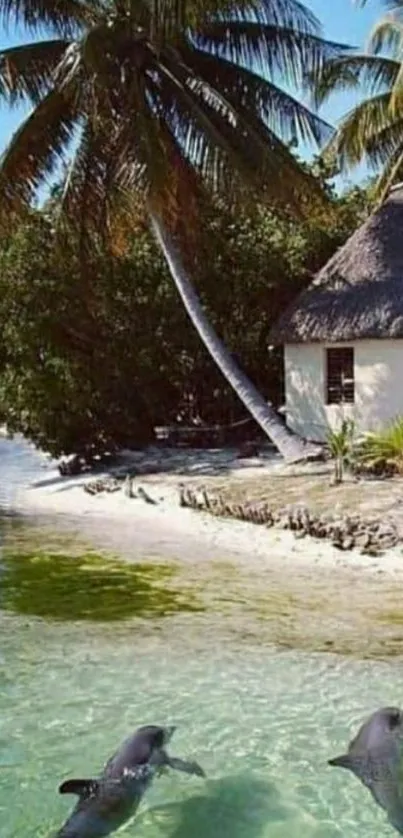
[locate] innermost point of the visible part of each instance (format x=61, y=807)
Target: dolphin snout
x=342, y=761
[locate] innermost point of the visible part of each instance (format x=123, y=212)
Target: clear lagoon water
x=92, y=646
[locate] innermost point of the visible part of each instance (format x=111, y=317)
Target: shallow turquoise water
x=262, y=722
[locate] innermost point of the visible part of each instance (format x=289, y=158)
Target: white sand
x=167, y=529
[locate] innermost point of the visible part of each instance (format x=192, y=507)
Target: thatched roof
x=358, y=294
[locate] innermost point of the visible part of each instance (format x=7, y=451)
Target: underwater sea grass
x=58, y=586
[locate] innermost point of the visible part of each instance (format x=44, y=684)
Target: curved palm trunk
x=292, y=447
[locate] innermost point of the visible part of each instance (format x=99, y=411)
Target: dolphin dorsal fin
x=83, y=788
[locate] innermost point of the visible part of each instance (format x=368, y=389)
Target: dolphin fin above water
x=82, y=788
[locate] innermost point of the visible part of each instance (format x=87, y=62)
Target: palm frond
x=170, y=108
x=396, y=96
x=115, y=152
x=113, y=163
x=292, y=53
x=82, y=196
x=280, y=112
x=289, y=13
x=389, y=4
x=202, y=123
x=36, y=148
x=350, y=143
x=152, y=83
x=61, y=16
x=174, y=184
x=392, y=171
x=387, y=36
x=372, y=73
x=198, y=143
x=221, y=133
x=27, y=72
x=383, y=144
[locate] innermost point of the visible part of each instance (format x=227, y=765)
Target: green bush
x=71, y=370
x=381, y=452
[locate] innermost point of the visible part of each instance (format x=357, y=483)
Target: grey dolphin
x=375, y=756
x=105, y=803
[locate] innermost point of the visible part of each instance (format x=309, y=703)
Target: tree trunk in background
x=290, y=446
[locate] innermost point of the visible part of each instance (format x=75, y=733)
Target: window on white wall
x=340, y=375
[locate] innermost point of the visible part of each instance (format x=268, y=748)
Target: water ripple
x=20, y=464
x=262, y=724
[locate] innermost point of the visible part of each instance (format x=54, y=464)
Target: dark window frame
x=340, y=378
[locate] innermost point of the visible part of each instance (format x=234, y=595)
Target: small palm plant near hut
x=341, y=445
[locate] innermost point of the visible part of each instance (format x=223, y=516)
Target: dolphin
x=375, y=756
x=108, y=801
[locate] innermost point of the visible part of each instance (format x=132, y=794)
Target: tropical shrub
x=66, y=357
x=381, y=452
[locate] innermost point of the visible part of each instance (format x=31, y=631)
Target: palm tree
x=372, y=132
x=163, y=98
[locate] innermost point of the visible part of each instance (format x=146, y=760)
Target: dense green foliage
x=98, y=352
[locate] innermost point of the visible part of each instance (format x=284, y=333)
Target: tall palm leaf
x=163, y=99
x=372, y=131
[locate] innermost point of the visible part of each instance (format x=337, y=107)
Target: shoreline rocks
x=114, y=484
x=372, y=536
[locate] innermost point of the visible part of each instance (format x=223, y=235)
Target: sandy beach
x=303, y=593
x=163, y=526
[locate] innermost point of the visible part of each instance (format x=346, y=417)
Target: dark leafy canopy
x=97, y=360
x=157, y=96
x=373, y=130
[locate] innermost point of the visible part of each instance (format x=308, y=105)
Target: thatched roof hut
x=358, y=294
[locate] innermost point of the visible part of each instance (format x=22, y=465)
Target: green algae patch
x=60, y=587
x=390, y=618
